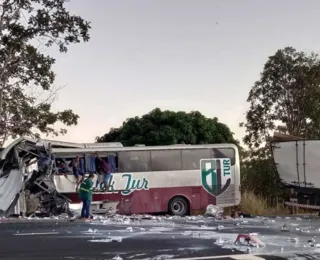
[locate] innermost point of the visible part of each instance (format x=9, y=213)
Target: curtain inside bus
x=112, y=163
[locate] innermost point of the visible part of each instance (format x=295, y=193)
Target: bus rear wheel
x=178, y=206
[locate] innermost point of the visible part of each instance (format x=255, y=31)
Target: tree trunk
x=1, y=101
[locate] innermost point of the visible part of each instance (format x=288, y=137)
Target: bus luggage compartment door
x=195, y=198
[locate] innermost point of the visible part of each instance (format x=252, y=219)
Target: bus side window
x=224, y=153
x=134, y=161
x=166, y=160
x=68, y=159
x=191, y=158
x=112, y=160
x=62, y=166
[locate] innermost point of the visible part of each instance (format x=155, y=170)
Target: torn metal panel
x=10, y=187
x=7, y=149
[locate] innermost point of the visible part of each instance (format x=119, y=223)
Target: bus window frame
x=232, y=158
x=208, y=156
x=104, y=156
x=178, y=168
x=123, y=161
x=69, y=165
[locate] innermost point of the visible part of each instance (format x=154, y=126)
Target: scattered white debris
x=129, y=229
x=220, y=241
x=92, y=230
x=205, y=235
x=36, y=234
x=294, y=239
x=285, y=229
x=137, y=255
x=159, y=257
x=160, y=229
x=312, y=240
x=207, y=227
x=213, y=210
x=196, y=234
x=127, y=221
x=116, y=239
x=220, y=227
x=107, y=240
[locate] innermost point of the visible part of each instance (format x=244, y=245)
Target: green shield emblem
x=215, y=175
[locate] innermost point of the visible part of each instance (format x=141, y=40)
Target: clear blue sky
x=175, y=54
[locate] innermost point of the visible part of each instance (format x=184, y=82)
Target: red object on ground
x=249, y=238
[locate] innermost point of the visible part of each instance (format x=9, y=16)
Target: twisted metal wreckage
x=27, y=185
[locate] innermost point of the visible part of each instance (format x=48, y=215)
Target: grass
x=257, y=205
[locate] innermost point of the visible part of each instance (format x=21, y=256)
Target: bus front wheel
x=178, y=206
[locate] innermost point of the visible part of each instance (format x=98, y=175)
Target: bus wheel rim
x=178, y=207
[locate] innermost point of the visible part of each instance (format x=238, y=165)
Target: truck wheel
x=178, y=206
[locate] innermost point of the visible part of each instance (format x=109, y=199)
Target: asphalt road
x=157, y=238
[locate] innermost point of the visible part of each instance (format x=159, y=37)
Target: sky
x=181, y=55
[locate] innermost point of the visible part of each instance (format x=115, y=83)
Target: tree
x=168, y=127
x=286, y=98
x=24, y=66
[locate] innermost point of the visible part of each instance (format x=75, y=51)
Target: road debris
x=214, y=211
x=248, y=239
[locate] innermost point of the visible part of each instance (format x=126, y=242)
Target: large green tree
x=27, y=28
x=286, y=98
x=169, y=127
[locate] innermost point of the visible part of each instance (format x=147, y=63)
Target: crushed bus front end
x=26, y=180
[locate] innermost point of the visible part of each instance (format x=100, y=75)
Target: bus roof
x=63, y=144
x=141, y=148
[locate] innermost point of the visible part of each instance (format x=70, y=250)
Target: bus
x=175, y=179
x=27, y=171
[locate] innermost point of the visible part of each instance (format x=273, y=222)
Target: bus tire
x=178, y=206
